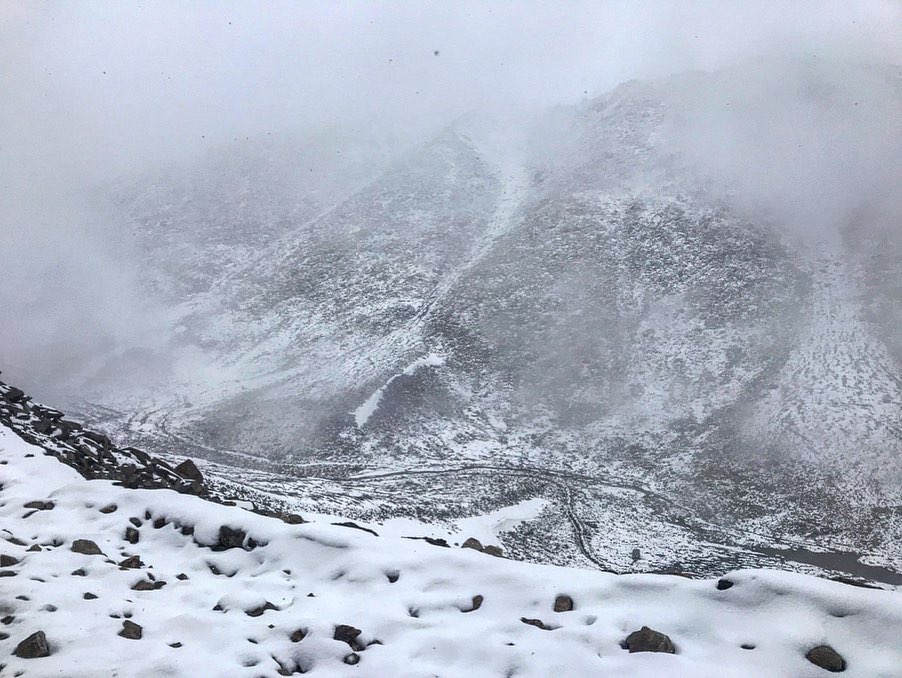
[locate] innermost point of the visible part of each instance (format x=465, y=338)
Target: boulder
x=472, y=543
x=131, y=562
x=348, y=634
x=188, y=469
x=8, y=561
x=827, y=658
x=33, y=647
x=649, y=640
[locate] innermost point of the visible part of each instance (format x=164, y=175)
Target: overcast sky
x=93, y=90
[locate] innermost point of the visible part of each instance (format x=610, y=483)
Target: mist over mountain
x=661, y=311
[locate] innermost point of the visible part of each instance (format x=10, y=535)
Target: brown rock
x=188, y=469
x=8, y=561
x=131, y=630
x=87, y=547
x=33, y=647
x=110, y=508
x=827, y=658
x=563, y=603
x=472, y=543
x=476, y=604
x=649, y=640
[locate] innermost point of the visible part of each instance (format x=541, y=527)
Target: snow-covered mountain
x=588, y=314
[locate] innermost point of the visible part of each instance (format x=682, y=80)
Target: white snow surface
x=363, y=413
x=419, y=619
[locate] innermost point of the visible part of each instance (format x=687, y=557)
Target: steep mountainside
x=589, y=316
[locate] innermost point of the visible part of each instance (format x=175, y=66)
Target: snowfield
x=218, y=591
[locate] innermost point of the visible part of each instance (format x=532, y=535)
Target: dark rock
x=131, y=562
x=230, y=538
x=33, y=647
x=8, y=619
x=147, y=585
x=649, y=640
x=472, y=543
x=8, y=561
x=135, y=521
x=188, y=469
x=637, y=555
x=724, y=584
x=298, y=635
x=7, y=573
x=34, y=547
x=393, y=577
x=42, y=425
x=356, y=527
x=87, y=547
x=538, y=623
x=159, y=523
x=258, y=611
x=827, y=658
x=14, y=395
x=348, y=634
x=175, y=645
x=351, y=659
x=476, y=604
x=293, y=519
x=110, y=508
x=131, y=630
x=181, y=577
x=39, y=505
x=131, y=535
x=187, y=530
x=493, y=550
x=80, y=572
x=89, y=596
x=563, y=603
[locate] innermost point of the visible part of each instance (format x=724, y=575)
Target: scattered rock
x=147, y=585
x=80, y=572
x=724, y=584
x=89, y=596
x=348, y=634
x=181, y=577
x=636, y=555
x=131, y=562
x=8, y=561
x=40, y=505
x=538, y=623
x=563, y=603
x=477, y=603
x=131, y=630
x=131, y=535
x=827, y=658
x=472, y=543
x=34, y=547
x=7, y=573
x=298, y=635
x=109, y=508
x=188, y=469
x=87, y=547
x=648, y=640
x=159, y=523
x=293, y=519
x=257, y=611
x=175, y=645
x=351, y=659
x=33, y=647
x=230, y=538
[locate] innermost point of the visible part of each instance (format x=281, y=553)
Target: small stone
x=636, y=555
x=475, y=605
x=563, y=603
x=181, y=577
x=87, y=547
x=39, y=505
x=89, y=596
x=827, y=658
x=493, y=550
x=33, y=647
x=472, y=543
x=649, y=640
x=34, y=547
x=724, y=584
x=80, y=572
x=131, y=630
x=538, y=623
x=351, y=659
x=175, y=645
x=293, y=519
x=135, y=521
x=257, y=611
x=8, y=561
x=109, y=508
x=159, y=522
x=131, y=563
x=298, y=636
x=7, y=573
x=131, y=535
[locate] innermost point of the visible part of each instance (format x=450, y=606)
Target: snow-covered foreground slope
x=229, y=593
